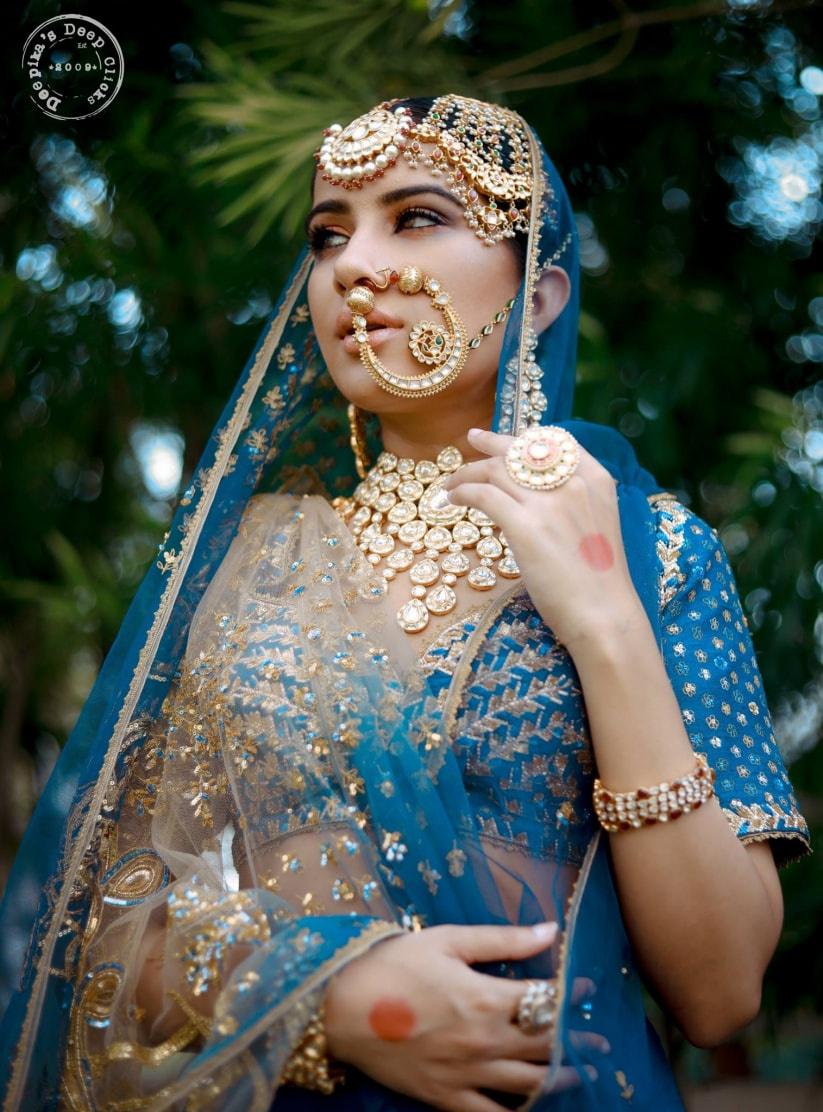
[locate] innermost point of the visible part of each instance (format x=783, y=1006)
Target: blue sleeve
x=710, y=659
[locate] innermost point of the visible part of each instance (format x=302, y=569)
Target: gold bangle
x=309, y=1066
x=665, y=802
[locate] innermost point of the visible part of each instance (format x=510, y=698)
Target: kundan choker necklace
x=401, y=519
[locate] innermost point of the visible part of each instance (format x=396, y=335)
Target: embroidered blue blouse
x=525, y=791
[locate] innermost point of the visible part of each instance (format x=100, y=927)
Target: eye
x=413, y=218
x=321, y=238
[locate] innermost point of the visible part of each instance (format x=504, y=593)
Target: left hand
x=566, y=541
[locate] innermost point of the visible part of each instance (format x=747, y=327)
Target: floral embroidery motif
x=626, y=1090
x=209, y=925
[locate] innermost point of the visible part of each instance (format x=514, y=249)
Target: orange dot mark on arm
x=597, y=552
x=392, y=1019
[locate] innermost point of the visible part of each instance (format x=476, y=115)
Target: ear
x=550, y=296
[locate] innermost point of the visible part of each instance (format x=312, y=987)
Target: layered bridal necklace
x=401, y=519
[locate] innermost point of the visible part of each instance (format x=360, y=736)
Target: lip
x=377, y=338
x=375, y=317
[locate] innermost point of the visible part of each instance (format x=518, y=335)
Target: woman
x=328, y=830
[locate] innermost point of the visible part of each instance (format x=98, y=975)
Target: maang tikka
x=480, y=151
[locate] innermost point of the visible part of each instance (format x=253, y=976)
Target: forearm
x=702, y=921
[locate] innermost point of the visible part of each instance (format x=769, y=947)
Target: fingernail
x=474, y=432
x=591, y=1073
x=545, y=931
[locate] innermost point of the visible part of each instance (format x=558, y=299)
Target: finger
x=579, y=1039
x=582, y=989
x=478, y=471
x=494, y=502
x=567, y=1077
x=469, y=1100
x=507, y=1076
x=492, y=443
x=492, y=943
x=511, y=1042
x=484, y=471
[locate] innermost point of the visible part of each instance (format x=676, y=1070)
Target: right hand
x=414, y=1016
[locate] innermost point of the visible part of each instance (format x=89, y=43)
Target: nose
x=358, y=263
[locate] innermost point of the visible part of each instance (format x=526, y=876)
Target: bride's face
x=405, y=218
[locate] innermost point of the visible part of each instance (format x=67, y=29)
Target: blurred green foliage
x=142, y=248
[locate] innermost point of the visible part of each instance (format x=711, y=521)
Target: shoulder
x=687, y=547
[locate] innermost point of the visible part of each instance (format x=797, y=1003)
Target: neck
x=422, y=436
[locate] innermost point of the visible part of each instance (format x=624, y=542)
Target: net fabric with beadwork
x=270, y=777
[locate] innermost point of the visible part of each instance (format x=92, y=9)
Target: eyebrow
x=342, y=208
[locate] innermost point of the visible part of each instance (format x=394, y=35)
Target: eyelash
x=319, y=236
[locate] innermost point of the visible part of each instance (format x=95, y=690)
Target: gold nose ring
x=386, y=272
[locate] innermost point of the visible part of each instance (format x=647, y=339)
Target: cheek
x=322, y=314
x=483, y=283
x=314, y=302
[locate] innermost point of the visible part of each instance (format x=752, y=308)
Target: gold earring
x=357, y=439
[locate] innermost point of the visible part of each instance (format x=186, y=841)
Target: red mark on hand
x=597, y=552
x=392, y=1019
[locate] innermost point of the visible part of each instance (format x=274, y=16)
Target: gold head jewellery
x=442, y=347
x=480, y=150
x=403, y=522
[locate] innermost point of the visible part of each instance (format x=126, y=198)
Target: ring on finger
x=537, y=1009
x=543, y=457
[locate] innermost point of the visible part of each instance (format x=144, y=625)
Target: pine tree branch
x=626, y=26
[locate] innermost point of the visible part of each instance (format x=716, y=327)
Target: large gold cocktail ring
x=537, y=1009
x=543, y=457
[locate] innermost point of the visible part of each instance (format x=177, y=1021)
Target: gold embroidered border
x=769, y=822
x=227, y=441
x=476, y=638
x=445, y=637
x=671, y=516
x=575, y=900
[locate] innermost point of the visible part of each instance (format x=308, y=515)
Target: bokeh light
x=159, y=453
x=778, y=182
x=594, y=258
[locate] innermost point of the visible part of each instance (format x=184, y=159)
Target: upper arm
x=762, y=858
x=710, y=659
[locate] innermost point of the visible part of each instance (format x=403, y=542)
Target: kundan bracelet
x=626, y=810
x=309, y=1066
